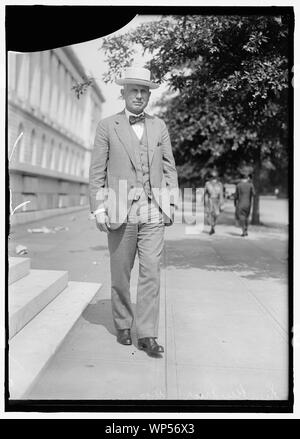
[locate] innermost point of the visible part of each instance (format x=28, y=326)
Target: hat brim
x=137, y=81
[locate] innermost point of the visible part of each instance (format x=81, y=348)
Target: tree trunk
x=256, y=182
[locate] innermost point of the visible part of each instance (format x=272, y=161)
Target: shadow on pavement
x=235, y=233
x=187, y=253
x=227, y=217
x=100, y=313
x=99, y=247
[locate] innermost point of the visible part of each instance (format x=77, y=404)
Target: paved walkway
x=223, y=320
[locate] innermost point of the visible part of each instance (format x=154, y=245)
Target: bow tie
x=135, y=119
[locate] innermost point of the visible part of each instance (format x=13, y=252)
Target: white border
x=120, y=415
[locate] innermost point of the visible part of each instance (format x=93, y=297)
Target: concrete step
x=31, y=349
x=29, y=295
x=18, y=268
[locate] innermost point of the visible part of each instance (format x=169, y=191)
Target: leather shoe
x=150, y=345
x=124, y=337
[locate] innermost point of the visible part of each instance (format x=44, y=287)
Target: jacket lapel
x=151, y=136
x=122, y=129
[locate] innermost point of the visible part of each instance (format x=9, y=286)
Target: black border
x=30, y=21
x=44, y=27
x=143, y=406
x=201, y=427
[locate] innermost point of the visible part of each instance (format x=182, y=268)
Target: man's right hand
x=102, y=222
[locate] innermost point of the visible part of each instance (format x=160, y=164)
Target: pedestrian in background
x=213, y=199
x=133, y=158
x=243, y=200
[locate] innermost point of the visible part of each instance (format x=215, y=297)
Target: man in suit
x=213, y=199
x=243, y=198
x=133, y=190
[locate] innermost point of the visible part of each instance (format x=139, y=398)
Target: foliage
x=81, y=87
x=230, y=75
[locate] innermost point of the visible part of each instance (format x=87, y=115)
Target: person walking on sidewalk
x=213, y=199
x=133, y=191
x=243, y=199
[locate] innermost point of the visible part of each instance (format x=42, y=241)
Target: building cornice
x=38, y=171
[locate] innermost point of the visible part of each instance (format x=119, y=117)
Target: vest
x=142, y=164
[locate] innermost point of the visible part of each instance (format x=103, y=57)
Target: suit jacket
x=113, y=179
x=244, y=193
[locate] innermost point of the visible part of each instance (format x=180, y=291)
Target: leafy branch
x=81, y=87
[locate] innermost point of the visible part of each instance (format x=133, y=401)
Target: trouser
x=214, y=210
x=212, y=219
x=146, y=239
x=244, y=224
x=243, y=215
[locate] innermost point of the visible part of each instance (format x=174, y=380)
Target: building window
x=45, y=152
x=57, y=157
x=83, y=200
x=34, y=148
x=62, y=200
x=20, y=152
x=70, y=168
x=79, y=164
x=82, y=165
x=14, y=148
x=51, y=155
x=27, y=151
x=77, y=168
x=40, y=152
x=61, y=158
x=73, y=163
x=65, y=160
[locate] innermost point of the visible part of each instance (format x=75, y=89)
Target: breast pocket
x=158, y=151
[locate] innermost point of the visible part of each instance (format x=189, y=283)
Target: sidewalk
x=223, y=320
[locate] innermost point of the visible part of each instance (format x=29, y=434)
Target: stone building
x=49, y=165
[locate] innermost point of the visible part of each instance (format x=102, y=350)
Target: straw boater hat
x=214, y=173
x=244, y=174
x=137, y=75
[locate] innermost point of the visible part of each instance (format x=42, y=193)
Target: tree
x=230, y=75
